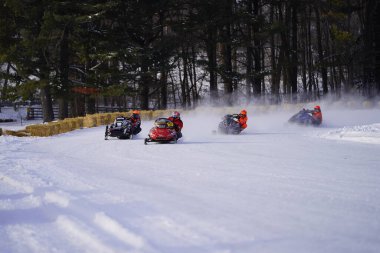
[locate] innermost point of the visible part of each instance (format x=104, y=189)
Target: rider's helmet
x=317, y=108
x=243, y=113
x=176, y=114
x=135, y=114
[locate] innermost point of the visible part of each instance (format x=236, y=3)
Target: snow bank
x=364, y=133
x=11, y=113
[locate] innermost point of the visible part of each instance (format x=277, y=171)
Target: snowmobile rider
x=178, y=124
x=316, y=115
x=242, y=117
x=136, y=122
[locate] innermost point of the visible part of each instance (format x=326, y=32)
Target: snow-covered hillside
x=274, y=188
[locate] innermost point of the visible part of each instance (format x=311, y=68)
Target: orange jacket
x=243, y=122
x=135, y=120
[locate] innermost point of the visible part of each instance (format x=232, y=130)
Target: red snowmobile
x=162, y=132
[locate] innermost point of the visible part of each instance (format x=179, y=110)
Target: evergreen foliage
x=152, y=54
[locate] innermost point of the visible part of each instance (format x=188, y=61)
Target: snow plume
x=349, y=110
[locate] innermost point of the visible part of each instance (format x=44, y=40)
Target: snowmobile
x=230, y=124
x=121, y=128
x=162, y=132
x=303, y=117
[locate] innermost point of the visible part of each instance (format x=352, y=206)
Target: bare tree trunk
x=350, y=78
x=173, y=90
x=376, y=37
x=285, y=48
x=310, y=54
x=276, y=72
x=249, y=53
x=193, y=78
x=226, y=52
x=212, y=64
x=144, y=84
x=186, y=77
x=182, y=84
x=304, y=53
x=256, y=53
x=294, y=52
x=320, y=53
x=5, y=84
x=163, y=88
x=63, y=110
x=47, y=104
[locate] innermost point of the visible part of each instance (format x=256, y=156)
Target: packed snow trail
x=274, y=188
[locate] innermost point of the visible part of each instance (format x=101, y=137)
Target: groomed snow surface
x=274, y=188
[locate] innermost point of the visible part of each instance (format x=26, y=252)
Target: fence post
x=29, y=113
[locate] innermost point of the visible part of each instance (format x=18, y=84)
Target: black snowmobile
x=303, y=117
x=121, y=128
x=230, y=124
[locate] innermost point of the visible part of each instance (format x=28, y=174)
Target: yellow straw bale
x=146, y=115
x=65, y=126
x=20, y=133
x=90, y=121
x=368, y=104
x=160, y=113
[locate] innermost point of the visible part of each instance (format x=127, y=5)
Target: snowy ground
x=275, y=188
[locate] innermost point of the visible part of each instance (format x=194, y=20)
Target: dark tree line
x=176, y=53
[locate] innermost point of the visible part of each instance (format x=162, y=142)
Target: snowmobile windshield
x=163, y=123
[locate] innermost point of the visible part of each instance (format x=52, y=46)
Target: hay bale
x=65, y=126
x=261, y=109
x=53, y=128
x=352, y=104
x=70, y=124
x=79, y=122
x=90, y=121
x=42, y=130
x=368, y=104
x=34, y=130
x=160, y=113
x=102, y=119
x=19, y=133
x=289, y=107
x=107, y=119
x=146, y=115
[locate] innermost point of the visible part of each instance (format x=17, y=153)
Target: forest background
x=159, y=54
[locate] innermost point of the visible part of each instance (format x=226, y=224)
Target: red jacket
x=317, y=116
x=177, y=122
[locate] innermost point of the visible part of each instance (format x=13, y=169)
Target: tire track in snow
x=58, y=198
x=58, y=204
x=81, y=237
x=24, y=187
x=112, y=227
x=29, y=242
x=83, y=218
